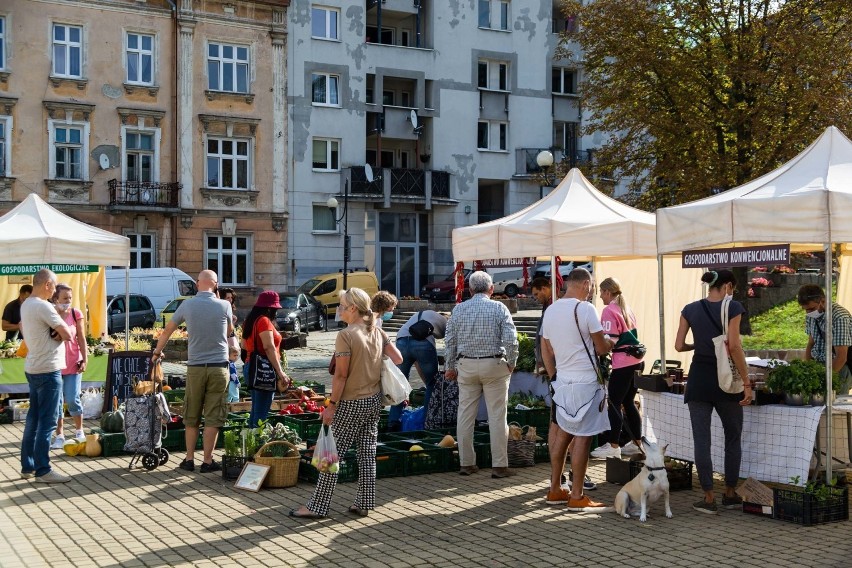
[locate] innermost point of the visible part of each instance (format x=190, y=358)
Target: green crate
x=348, y=469
x=306, y=425
x=113, y=444
x=538, y=417
x=431, y=459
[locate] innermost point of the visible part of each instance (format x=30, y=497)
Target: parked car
x=141, y=312
x=169, y=311
x=300, y=311
x=445, y=290
x=326, y=288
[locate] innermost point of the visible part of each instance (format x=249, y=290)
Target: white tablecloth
x=777, y=441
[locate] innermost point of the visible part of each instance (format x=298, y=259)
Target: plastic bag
x=325, y=457
x=413, y=419
x=92, y=401
x=395, y=387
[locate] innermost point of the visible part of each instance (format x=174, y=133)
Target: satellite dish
x=413, y=119
x=103, y=160
x=368, y=171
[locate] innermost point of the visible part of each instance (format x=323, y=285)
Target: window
x=494, y=14
x=67, y=51
x=142, y=251
x=228, y=68
x=230, y=258
x=324, y=23
x=325, y=89
x=2, y=42
x=324, y=218
x=5, y=149
x=140, y=59
x=492, y=135
x=227, y=163
x=139, y=156
x=493, y=75
x=564, y=81
x=67, y=151
x=326, y=154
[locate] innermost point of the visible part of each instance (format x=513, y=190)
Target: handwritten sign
x=737, y=256
x=124, y=369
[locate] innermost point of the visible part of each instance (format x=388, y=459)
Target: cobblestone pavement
x=109, y=516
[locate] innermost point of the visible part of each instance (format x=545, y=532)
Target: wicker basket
x=283, y=472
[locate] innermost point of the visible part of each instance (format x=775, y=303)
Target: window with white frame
x=325, y=89
x=323, y=218
x=228, y=68
x=564, y=81
x=142, y=250
x=2, y=42
x=140, y=59
x=67, y=51
x=326, y=154
x=492, y=135
x=494, y=14
x=325, y=23
x=69, y=145
x=229, y=258
x=141, y=148
x=228, y=161
x=5, y=146
x=493, y=75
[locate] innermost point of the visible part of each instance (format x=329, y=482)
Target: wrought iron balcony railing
x=143, y=193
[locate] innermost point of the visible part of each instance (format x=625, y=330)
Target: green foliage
x=781, y=327
x=526, y=354
x=707, y=95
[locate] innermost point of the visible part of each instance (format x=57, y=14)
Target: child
x=234, y=383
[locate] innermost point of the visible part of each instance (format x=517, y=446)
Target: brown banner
x=737, y=256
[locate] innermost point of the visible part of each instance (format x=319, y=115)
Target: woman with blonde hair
x=619, y=322
x=355, y=402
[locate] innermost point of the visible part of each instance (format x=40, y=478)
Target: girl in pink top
x=76, y=356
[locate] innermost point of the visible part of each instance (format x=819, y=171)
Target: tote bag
x=729, y=377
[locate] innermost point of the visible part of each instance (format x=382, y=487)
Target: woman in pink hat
x=260, y=333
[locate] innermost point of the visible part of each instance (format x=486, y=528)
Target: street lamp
x=332, y=205
x=544, y=159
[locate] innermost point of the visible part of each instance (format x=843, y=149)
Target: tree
x=698, y=96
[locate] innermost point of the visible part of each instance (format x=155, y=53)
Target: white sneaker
x=80, y=436
x=630, y=449
x=53, y=476
x=58, y=443
x=606, y=451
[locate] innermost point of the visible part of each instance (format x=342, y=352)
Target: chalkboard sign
x=124, y=369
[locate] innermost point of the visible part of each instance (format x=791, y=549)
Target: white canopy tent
x=806, y=202
x=577, y=221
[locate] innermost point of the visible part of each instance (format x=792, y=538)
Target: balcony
x=141, y=195
x=402, y=185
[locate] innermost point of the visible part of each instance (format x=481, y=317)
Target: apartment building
x=162, y=120
x=447, y=103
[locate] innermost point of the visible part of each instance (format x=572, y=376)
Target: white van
x=161, y=285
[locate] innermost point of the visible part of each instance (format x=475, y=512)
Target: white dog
x=648, y=486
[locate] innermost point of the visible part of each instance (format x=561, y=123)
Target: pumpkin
x=93, y=446
x=113, y=421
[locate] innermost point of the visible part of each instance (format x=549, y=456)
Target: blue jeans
x=45, y=392
x=261, y=401
x=71, y=393
x=424, y=353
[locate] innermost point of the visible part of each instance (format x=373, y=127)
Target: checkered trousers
x=354, y=421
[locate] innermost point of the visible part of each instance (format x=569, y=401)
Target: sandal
x=302, y=515
x=357, y=511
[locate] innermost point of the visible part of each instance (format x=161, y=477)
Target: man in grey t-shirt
x=209, y=322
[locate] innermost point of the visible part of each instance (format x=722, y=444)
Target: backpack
x=421, y=329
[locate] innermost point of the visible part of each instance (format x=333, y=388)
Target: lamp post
x=332, y=205
x=544, y=159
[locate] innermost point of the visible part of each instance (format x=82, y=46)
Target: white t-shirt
x=45, y=354
x=559, y=327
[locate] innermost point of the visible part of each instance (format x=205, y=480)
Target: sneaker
x=705, y=507
x=80, y=436
x=53, y=476
x=27, y=474
x=58, y=443
x=586, y=505
x=188, y=465
x=734, y=502
x=211, y=467
x=606, y=451
x=630, y=449
x=559, y=497
x=588, y=484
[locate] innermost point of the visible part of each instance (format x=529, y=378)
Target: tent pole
x=127, y=308
x=662, y=314
x=829, y=360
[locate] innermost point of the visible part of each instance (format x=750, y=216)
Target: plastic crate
x=306, y=425
x=538, y=417
x=796, y=506
x=431, y=459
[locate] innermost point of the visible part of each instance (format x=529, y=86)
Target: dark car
x=142, y=313
x=445, y=290
x=300, y=311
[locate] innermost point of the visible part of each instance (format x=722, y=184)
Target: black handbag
x=262, y=376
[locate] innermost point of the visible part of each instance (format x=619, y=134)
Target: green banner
x=24, y=269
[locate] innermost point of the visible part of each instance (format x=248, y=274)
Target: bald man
x=209, y=322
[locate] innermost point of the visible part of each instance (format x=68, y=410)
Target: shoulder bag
x=729, y=377
x=262, y=377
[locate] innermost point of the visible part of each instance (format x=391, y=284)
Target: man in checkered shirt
x=481, y=352
x=812, y=299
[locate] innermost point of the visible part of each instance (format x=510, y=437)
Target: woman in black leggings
x=619, y=321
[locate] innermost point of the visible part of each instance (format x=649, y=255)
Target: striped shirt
x=480, y=327
x=841, y=331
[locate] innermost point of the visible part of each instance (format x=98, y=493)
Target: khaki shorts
x=206, y=395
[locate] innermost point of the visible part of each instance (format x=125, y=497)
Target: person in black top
x=703, y=393
x=12, y=314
